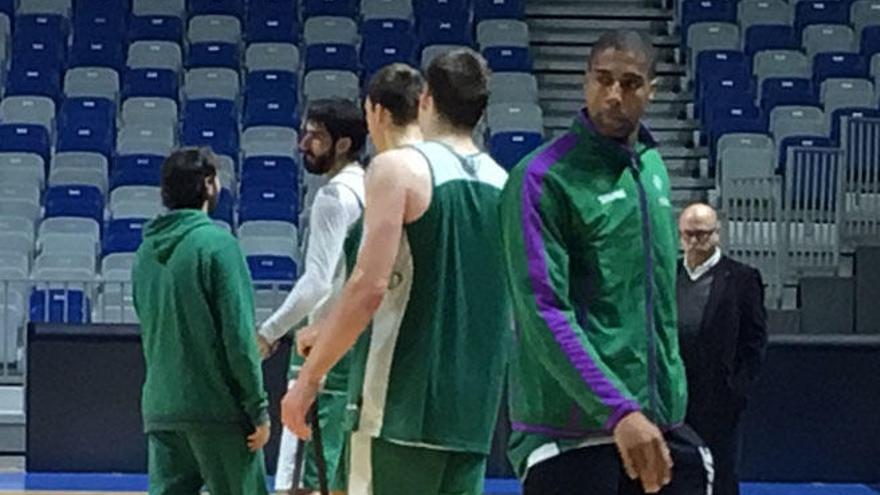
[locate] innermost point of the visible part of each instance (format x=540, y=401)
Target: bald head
x=698, y=230
x=699, y=214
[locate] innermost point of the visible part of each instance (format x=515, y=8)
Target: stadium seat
x=439, y=8
x=88, y=8
x=712, y=36
x=781, y=63
x=728, y=119
x=171, y=8
x=377, y=52
x=221, y=138
x=341, y=8
x=382, y=28
x=17, y=237
x=39, y=53
x=59, y=306
x=846, y=113
x=146, y=109
x=267, y=228
x=746, y=155
x=123, y=235
x=864, y=13
x=94, y=137
x=213, y=55
x=808, y=13
x=272, y=57
x=79, y=167
x=216, y=7
x=429, y=53
x=211, y=83
x=520, y=117
x=734, y=89
x=20, y=200
x=28, y=110
x=787, y=91
x=840, y=93
x=158, y=83
x=137, y=170
x=267, y=170
x=508, y=58
x=92, y=82
x=320, y=84
x=330, y=30
x=26, y=165
x=759, y=38
x=269, y=140
x=25, y=138
x=269, y=246
x=448, y=30
x=839, y=65
x=820, y=38
x=717, y=65
x=269, y=82
x=875, y=68
x=72, y=226
x=224, y=211
x=79, y=177
x=788, y=121
x=147, y=139
x=386, y=9
x=98, y=111
x=268, y=110
x=266, y=203
x=117, y=268
x=155, y=27
x=213, y=111
x=30, y=81
x=332, y=57
x=704, y=11
x=508, y=148
x=214, y=29
x=753, y=12
x=870, y=42
x=42, y=27
x=502, y=32
x=100, y=25
x=271, y=26
x=95, y=52
x=7, y=7
x=800, y=141
x=498, y=9
x=155, y=55
x=272, y=268
x=513, y=87
x=75, y=201
x=55, y=7
x=135, y=202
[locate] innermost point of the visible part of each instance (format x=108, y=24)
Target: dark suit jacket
x=730, y=348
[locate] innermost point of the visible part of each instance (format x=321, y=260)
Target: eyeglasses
x=699, y=234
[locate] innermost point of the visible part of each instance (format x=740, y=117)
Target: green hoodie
x=194, y=298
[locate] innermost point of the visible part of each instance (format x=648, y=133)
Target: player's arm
x=233, y=300
x=537, y=263
x=326, y=240
x=386, y=194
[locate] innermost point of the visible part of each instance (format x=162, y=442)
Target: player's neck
x=404, y=136
x=337, y=167
x=460, y=140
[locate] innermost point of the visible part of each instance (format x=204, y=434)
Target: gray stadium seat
x=64, y=243
x=80, y=160
x=788, y=121
x=864, y=13
x=145, y=110
x=875, y=68
x=226, y=172
x=159, y=7
x=156, y=139
x=326, y=29
x=64, y=268
x=429, y=53
x=23, y=201
x=267, y=228
x=781, y=63
x=16, y=235
x=85, y=227
x=5, y=31
x=94, y=82
x=117, y=267
x=155, y=55
x=527, y=117
x=135, y=202
x=28, y=110
x=214, y=28
x=712, y=36
x=744, y=140
x=21, y=177
x=386, y=9
x=513, y=87
x=12, y=320
x=269, y=246
x=269, y=140
x=28, y=164
x=752, y=12
x=13, y=265
x=79, y=176
x=211, y=83
x=272, y=56
x=819, y=38
x=839, y=93
x=502, y=32
x=321, y=84
x=59, y=7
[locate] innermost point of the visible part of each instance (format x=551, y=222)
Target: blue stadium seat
x=498, y=9
x=840, y=65
x=213, y=55
x=341, y=8
x=332, y=57
x=777, y=91
x=75, y=201
x=268, y=203
x=381, y=28
x=100, y=25
x=136, y=170
x=261, y=171
x=117, y=9
x=95, y=137
x=33, y=81
x=850, y=112
x=155, y=28
x=270, y=110
x=87, y=51
x=48, y=306
x=161, y=83
x=42, y=27
x=8, y=7
x=694, y=11
x=425, y=9
x=211, y=111
x=222, y=138
x=25, y=138
x=734, y=89
x=271, y=26
x=870, y=44
x=452, y=29
x=217, y=7
x=733, y=118
x=123, y=235
x=770, y=37
x=43, y=53
x=225, y=207
x=272, y=268
x=286, y=6
x=820, y=12
x=508, y=58
x=801, y=142
x=88, y=110
x=377, y=52
x=508, y=148
x=714, y=65
x=263, y=82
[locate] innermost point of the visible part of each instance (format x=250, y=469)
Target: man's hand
x=296, y=404
x=265, y=347
x=260, y=437
x=644, y=452
x=305, y=340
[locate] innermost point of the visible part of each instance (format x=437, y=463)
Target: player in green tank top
x=438, y=345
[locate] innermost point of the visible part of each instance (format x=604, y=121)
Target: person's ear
x=343, y=145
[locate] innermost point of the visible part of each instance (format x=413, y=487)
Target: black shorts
x=599, y=470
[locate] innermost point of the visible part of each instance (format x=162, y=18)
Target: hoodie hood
x=163, y=234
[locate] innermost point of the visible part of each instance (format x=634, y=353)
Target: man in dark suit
x=722, y=336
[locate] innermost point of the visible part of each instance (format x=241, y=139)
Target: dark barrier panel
x=814, y=415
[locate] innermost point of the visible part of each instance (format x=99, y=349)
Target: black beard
x=320, y=165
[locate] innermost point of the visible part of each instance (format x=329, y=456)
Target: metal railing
x=860, y=140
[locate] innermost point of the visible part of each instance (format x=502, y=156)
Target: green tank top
x=430, y=370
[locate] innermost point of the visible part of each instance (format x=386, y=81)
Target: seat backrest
x=149, y=110
x=58, y=243
x=838, y=93
x=155, y=55
x=321, y=84
x=99, y=82
x=214, y=28
x=29, y=162
x=431, y=52
x=117, y=266
x=502, y=32
x=503, y=117
x=828, y=38
x=272, y=56
x=28, y=110
x=713, y=36
x=211, y=83
x=175, y=8
x=80, y=160
x=58, y=7
x=79, y=176
x=20, y=200
x=13, y=266
x=269, y=246
x=64, y=267
x=269, y=140
x=751, y=12
x=267, y=228
x=788, y=121
x=864, y=13
x=328, y=29
x=513, y=87
x=781, y=63
x=386, y=9
x=71, y=225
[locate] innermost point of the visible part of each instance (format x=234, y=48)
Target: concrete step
x=615, y=9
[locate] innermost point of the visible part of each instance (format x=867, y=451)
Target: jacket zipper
x=649, y=290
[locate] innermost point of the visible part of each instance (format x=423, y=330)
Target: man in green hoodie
x=204, y=405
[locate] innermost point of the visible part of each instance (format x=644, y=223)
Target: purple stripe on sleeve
x=545, y=296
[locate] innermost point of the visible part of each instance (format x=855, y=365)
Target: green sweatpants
x=331, y=413
x=379, y=467
x=181, y=462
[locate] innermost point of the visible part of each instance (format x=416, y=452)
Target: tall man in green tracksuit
x=204, y=405
x=597, y=386
x=428, y=275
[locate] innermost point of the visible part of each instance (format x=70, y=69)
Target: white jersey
x=337, y=206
